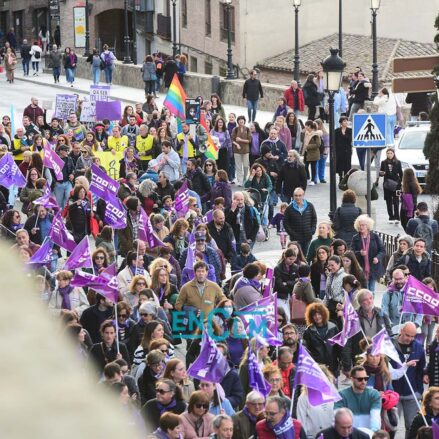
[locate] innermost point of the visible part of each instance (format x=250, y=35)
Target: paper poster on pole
x=99, y=93
x=88, y=112
x=65, y=105
x=79, y=26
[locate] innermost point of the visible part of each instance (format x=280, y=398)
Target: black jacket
x=417, y=423
x=224, y=239
x=102, y=356
x=319, y=348
x=163, y=191
x=432, y=369
x=151, y=413
x=25, y=49
x=233, y=389
x=284, y=281
x=91, y=320
x=392, y=170
x=343, y=223
x=146, y=383
x=270, y=165
x=311, y=94
x=199, y=183
x=291, y=176
x=169, y=70
x=316, y=271
x=360, y=93
x=376, y=250
x=420, y=102
x=300, y=226
x=251, y=225
x=67, y=170
x=252, y=89
x=421, y=269
x=331, y=433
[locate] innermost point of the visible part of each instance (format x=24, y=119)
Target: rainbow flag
x=175, y=99
x=212, y=149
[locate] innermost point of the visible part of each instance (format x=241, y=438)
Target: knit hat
x=265, y=149
x=148, y=308
x=406, y=238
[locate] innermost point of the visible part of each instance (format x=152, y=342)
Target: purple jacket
x=221, y=189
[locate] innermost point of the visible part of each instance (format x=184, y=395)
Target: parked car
x=409, y=149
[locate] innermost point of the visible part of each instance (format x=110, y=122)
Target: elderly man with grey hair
x=278, y=422
x=223, y=427
x=244, y=422
x=343, y=427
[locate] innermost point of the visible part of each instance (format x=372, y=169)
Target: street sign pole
x=369, y=184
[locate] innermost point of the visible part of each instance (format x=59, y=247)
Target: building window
x=223, y=70
x=208, y=68
x=208, y=15
x=184, y=13
x=224, y=22
x=194, y=64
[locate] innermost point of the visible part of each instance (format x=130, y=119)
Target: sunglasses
x=141, y=283
x=208, y=164
x=202, y=406
x=100, y=257
x=361, y=378
x=144, y=315
x=123, y=316
x=162, y=391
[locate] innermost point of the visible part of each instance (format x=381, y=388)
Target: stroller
x=260, y=201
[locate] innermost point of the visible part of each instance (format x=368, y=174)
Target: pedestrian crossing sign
x=369, y=130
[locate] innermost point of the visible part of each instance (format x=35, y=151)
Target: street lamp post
x=333, y=66
x=374, y=6
x=230, y=72
x=340, y=28
x=296, y=4
x=174, y=28
x=87, y=29
x=126, y=38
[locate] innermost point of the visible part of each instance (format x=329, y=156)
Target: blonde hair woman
x=325, y=236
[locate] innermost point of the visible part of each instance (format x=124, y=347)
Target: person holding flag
x=244, y=422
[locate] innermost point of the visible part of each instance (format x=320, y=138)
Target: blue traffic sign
x=369, y=130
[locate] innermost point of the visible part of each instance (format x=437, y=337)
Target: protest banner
x=110, y=161
x=65, y=105
x=111, y=110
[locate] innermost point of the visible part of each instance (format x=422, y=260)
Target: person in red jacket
x=294, y=97
x=278, y=422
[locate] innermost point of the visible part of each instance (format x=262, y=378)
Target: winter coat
x=376, y=250
x=432, y=369
x=252, y=89
x=244, y=134
x=246, y=295
x=91, y=319
x=170, y=70
x=263, y=432
x=343, y=223
x=291, y=96
x=303, y=291
x=68, y=62
x=199, y=183
x=148, y=69
x=78, y=301
x=189, y=429
x=343, y=150
x=291, y=176
x=311, y=94
x=300, y=226
x=251, y=224
x=277, y=148
x=224, y=239
x=34, y=49
x=393, y=171
x=146, y=383
x=420, y=270
x=320, y=350
x=418, y=422
x=211, y=257
x=311, y=151
x=316, y=271
x=284, y=281
x=360, y=93
x=151, y=413
x=242, y=426
x=55, y=58
x=263, y=185
x=232, y=386
x=222, y=189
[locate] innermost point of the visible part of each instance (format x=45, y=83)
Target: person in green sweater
x=325, y=236
x=363, y=401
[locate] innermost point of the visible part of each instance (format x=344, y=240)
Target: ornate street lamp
x=127, y=58
x=296, y=4
x=174, y=28
x=374, y=6
x=230, y=73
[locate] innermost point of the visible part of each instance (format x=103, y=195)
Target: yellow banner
x=110, y=161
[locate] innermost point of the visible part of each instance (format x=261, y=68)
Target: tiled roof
x=357, y=51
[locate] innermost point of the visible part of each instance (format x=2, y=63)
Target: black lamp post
x=296, y=4
x=333, y=66
x=374, y=6
x=127, y=58
x=230, y=73
x=174, y=28
x=340, y=28
x=87, y=30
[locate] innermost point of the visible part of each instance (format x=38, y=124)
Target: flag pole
x=117, y=327
x=416, y=399
x=218, y=396
x=293, y=393
x=37, y=213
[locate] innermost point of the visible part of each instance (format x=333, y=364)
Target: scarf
x=243, y=281
x=285, y=428
x=64, y=292
x=166, y=408
x=250, y=417
x=378, y=373
x=307, y=137
x=366, y=245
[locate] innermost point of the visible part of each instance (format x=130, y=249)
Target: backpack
x=107, y=59
x=425, y=231
x=37, y=54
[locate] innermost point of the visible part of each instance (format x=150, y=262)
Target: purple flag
x=182, y=200
x=351, y=324
x=210, y=365
x=206, y=219
x=101, y=184
x=60, y=235
x=190, y=258
x=85, y=279
x=268, y=282
x=146, y=232
x=115, y=213
x=10, y=173
x=382, y=345
x=309, y=374
x=435, y=427
x=419, y=299
x=47, y=200
x=110, y=110
x=44, y=254
x=53, y=161
x=256, y=379
x=80, y=256
x=110, y=289
x=261, y=317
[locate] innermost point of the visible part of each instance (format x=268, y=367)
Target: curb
x=66, y=87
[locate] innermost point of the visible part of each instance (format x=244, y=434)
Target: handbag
x=298, y=308
x=260, y=236
x=390, y=185
x=94, y=227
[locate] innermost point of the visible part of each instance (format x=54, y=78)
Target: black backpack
x=37, y=54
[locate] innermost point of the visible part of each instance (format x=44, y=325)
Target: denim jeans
x=232, y=168
x=158, y=84
x=96, y=74
x=70, y=75
x=25, y=63
x=321, y=164
x=371, y=285
x=35, y=66
x=56, y=72
x=390, y=122
x=108, y=74
x=62, y=192
x=252, y=107
x=361, y=154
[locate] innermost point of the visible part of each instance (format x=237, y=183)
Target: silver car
x=409, y=149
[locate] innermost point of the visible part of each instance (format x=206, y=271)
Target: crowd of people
x=204, y=261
